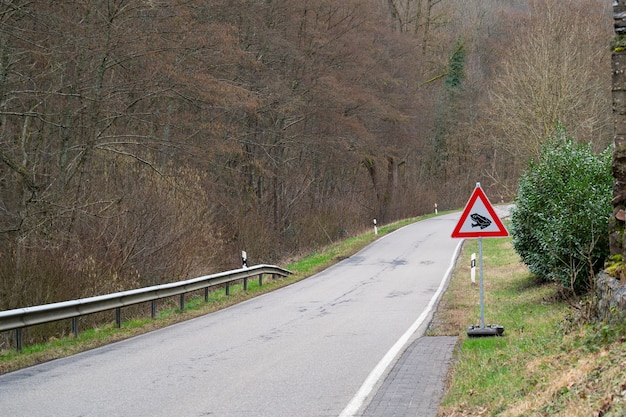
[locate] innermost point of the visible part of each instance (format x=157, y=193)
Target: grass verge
x=548, y=363
x=103, y=334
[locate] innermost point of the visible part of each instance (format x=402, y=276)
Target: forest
x=150, y=141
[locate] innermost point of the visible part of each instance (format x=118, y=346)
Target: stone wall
x=611, y=298
x=617, y=221
x=611, y=292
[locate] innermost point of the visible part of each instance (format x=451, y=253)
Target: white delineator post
x=375, y=227
x=473, y=269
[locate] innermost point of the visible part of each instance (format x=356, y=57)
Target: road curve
x=309, y=349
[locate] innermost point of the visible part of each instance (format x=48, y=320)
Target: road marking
x=370, y=382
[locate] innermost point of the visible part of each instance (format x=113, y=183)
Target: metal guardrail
x=20, y=318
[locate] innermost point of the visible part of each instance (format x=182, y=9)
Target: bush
x=560, y=222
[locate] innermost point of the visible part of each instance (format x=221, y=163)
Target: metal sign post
x=482, y=289
x=479, y=220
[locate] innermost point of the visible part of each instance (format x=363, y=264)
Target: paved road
x=321, y=347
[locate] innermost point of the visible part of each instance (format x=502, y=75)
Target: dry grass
x=576, y=384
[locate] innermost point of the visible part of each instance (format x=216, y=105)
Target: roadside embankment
x=553, y=359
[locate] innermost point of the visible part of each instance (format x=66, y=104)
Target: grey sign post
x=479, y=220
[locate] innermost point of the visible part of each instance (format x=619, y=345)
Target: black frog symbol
x=481, y=221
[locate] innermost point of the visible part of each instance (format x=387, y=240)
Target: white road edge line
x=370, y=382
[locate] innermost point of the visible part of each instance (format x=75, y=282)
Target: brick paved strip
x=415, y=385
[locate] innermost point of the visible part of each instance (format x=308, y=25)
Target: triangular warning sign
x=479, y=218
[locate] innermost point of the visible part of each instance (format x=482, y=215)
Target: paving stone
x=415, y=385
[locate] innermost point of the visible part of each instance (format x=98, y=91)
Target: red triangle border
x=478, y=193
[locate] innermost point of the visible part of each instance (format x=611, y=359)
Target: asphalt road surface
x=316, y=348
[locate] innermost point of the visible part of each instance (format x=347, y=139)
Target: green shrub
x=560, y=222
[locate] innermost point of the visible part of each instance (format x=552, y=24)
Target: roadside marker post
x=473, y=269
x=479, y=220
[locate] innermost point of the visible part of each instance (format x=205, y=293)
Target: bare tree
x=549, y=76
x=82, y=89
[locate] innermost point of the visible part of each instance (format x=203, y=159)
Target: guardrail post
x=18, y=339
x=75, y=326
x=118, y=317
x=206, y=294
x=260, y=280
x=182, y=301
x=245, y=284
x=153, y=309
x=228, y=288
